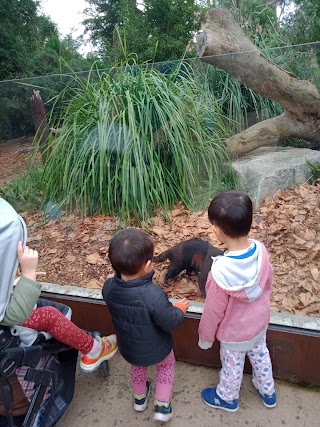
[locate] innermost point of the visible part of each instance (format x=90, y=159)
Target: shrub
x=135, y=140
x=26, y=191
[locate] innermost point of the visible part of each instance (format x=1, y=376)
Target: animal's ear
x=197, y=260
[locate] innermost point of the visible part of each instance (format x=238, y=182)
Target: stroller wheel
x=104, y=369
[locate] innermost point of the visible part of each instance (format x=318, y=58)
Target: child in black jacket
x=143, y=318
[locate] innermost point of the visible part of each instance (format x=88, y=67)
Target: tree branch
x=223, y=44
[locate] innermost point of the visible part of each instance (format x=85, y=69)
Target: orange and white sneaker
x=109, y=347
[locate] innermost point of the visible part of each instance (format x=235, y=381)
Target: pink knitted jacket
x=237, y=314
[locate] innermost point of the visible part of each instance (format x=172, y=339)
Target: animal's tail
x=162, y=257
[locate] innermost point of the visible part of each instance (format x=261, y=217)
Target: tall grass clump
x=240, y=104
x=26, y=191
x=135, y=140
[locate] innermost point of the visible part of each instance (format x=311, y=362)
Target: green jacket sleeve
x=22, y=301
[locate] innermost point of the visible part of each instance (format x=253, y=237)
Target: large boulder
x=264, y=171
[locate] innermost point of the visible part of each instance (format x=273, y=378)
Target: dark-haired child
x=237, y=306
x=143, y=318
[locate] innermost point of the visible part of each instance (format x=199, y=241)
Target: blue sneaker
x=210, y=398
x=269, y=401
x=162, y=411
x=140, y=402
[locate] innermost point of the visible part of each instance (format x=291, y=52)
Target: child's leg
x=49, y=319
x=262, y=377
x=95, y=351
x=64, y=309
x=165, y=377
x=139, y=379
x=231, y=374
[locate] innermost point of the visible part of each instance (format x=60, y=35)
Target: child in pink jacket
x=237, y=306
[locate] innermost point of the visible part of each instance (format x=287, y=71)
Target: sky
x=67, y=14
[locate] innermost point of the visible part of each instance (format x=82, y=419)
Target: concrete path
x=108, y=402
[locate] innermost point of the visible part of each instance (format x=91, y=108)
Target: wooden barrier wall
x=294, y=352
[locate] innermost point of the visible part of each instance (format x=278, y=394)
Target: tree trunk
x=40, y=123
x=223, y=44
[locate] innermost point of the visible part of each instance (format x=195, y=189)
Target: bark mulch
x=14, y=158
x=73, y=250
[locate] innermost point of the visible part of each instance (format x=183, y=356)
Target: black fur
x=194, y=256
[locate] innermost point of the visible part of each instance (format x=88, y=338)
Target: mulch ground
x=73, y=250
x=14, y=158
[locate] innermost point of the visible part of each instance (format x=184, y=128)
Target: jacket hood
x=12, y=229
x=237, y=272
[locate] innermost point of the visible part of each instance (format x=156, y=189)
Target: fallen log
x=222, y=43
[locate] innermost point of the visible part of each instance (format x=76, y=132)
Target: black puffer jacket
x=143, y=319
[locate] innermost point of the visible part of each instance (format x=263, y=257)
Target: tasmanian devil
x=194, y=256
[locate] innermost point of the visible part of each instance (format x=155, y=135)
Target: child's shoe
x=210, y=398
x=269, y=401
x=140, y=402
x=162, y=411
x=109, y=348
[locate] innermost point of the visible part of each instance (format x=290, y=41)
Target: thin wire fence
x=302, y=60
x=155, y=64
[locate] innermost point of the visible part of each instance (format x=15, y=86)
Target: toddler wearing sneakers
x=237, y=306
x=20, y=306
x=143, y=318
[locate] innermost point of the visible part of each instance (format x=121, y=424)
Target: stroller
x=37, y=373
x=36, y=382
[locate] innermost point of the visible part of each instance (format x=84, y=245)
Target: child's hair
x=129, y=250
x=231, y=211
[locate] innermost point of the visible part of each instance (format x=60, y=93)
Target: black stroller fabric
x=50, y=379
x=62, y=391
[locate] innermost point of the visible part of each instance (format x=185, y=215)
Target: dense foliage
x=159, y=31
x=22, y=32
x=134, y=141
x=30, y=45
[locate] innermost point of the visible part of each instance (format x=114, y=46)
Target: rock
x=264, y=171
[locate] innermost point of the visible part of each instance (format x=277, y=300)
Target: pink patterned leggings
x=232, y=370
x=49, y=319
x=165, y=377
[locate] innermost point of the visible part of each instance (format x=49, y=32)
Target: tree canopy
x=145, y=31
x=153, y=30
x=158, y=32
x=303, y=24
x=161, y=29
x=30, y=43
x=22, y=32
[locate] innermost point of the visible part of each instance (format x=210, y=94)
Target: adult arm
x=21, y=302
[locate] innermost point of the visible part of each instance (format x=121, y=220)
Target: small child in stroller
x=20, y=306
